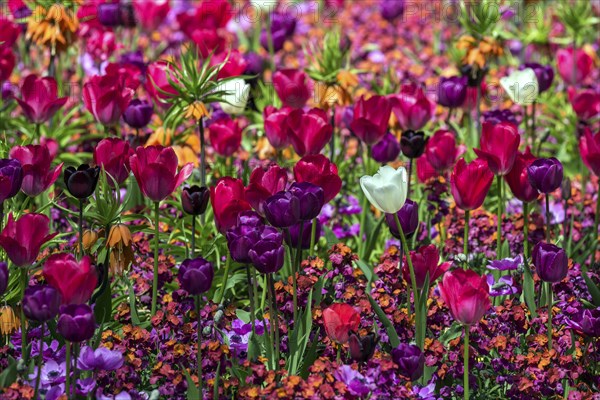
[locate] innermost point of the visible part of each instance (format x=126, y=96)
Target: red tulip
x=106, y=97
x=204, y=24
x=589, y=146
x=470, y=183
x=155, y=169
x=412, y=107
x=340, y=320
x=585, y=103
x=310, y=131
x=264, y=184
x=499, y=146
x=9, y=32
x=235, y=66
x=39, y=98
x=318, y=170
x=225, y=136
x=128, y=73
x=371, y=119
x=518, y=179
x=564, y=61
x=37, y=172
x=466, y=294
x=157, y=82
x=424, y=169
x=228, y=200
x=7, y=63
x=441, y=150
x=22, y=239
x=293, y=86
x=276, y=127
x=74, y=280
x=150, y=14
x=112, y=155
x=425, y=261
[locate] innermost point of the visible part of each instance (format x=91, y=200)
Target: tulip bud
x=282, y=209
x=3, y=277
x=242, y=237
x=550, y=261
x=267, y=256
x=311, y=199
x=76, y=322
x=470, y=183
x=371, y=119
x=566, y=189
x=138, y=113
x=410, y=360
x=452, y=91
x=413, y=143
x=391, y=10
x=41, y=303
x=11, y=177
x=499, y=146
x=543, y=73
x=196, y=276
x=194, y=200
x=409, y=219
x=340, y=319
x=362, y=348
x=466, y=294
x=387, y=189
x=545, y=174
x=386, y=150
x=81, y=182
x=441, y=150
x=589, y=147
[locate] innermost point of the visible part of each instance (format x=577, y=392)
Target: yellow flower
x=9, y=322
x=197, y=110
x=121, y=255
x=54, y=27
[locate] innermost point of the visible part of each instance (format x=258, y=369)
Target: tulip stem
x=24, y=282
x=251, y=295
x=202, y=152
x=478, y=121
x=466, y=235
x=313, y=234
x=274, y=317
x=199, y=328
x=81, y=252
x=596, y=223
x=466, y=363
x=332, y=142
x=526, y=231
x=270, y=45
x=68, y=369
x=295, y=270
x=2, y=215
x=418, y=334
x=549, y=322
x=499, y=229
x=193, y=244
x=40, y=361
x=547, y=217
x=225, y=278
x=155, y=275
x=410, y=170
x=533, y=121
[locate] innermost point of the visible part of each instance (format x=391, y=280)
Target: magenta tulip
x=75, y=280
x=38, y=174
x=371, y=119
x=39, y=98
x=309, y=131
x=276, y=127
x=565, y=61
x=412, y=107
x=107, y=97
x=441, y=150
x=293, y=86
x=499, y=146
x=112, y=155
x=470, y=183
x=466, y=294
x=23, y=238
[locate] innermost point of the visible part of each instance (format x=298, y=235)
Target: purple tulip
x=282, y=28
x=506, y=264
x=81, y=182
x=391, y=9
x=543, y=73
x=386, y=150
x=11, y=177
x=550, y=261
x=196, y=275
x=293, y=238
x=194, y=200
x=282, y=209
x=452, y=91
x=244, y=235
x=76, y=322
x=3, y=277
x=413, y=143
x=586, y=322
x=101, y=359
x=504, y=286
x=267, y=256
x=497, y=116
x=41, y=303
x=109, y=14
x=545, y=174
x=311, y=197
x=138, y=113
x=409, y=219
x=255, y=64
x=410, y=360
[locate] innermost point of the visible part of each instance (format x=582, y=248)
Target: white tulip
x=387, y=189
x=236, y=97
x=521, y=86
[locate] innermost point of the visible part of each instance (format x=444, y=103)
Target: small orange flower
x=54, y=27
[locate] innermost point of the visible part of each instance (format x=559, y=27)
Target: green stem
x=270, y=43
x=547, y=217
x=202, y=152
x=193, y=249
x=40, y=362
x=295, y=270
x=155, y=275
x=526, y=230
x=274, y=318
x=339, y=354
x=24, y=282
x=466, y=363
x=81, y=252
x=500, y=206
x=225, y=278
x=332, y=142
x=313, y=234
x=410, y=173
x=466, y=235
x=549, y=322
x=251, y=295
x=199, y=327
x=596, y=223
x=478, y=121
x=533, y=121
x=68, y=372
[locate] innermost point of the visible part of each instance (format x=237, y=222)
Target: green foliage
x=578, y=18
x=479, y=18
x=327, y=61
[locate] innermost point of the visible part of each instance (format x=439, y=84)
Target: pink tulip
x=106, y=97
x=425, y=263
x=470, y=183
x=585, y=103
x=39, y=99
x=151, y=13
x=225, y=136
x=264, y=184
x=466, y=294
x=441, y=150
x=412, y=107
x=499, y=146
x=23, y=238
x=112, y=155
x=293, y=86
x=74, y=280
x=565, y=62
x=235, y=66
x=38, y=174
x=371, y=119
x=276, y=127
x=309, y=131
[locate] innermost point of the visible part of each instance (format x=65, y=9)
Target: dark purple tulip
x=311, y=197
x=282, y=209
x=410, y=360
x=267, y=256
x=545, y=174
x=586, y=322
x=413, y=143
x=41, y=303
x=194, y=200
x=81, y=182
x=543, y=73
x=391, y=9
x=292, y=240
x=109, y=14
x=3, y=277
x=550, y=261
x=138, y=113
x=452, y=91
x=9, y=91
x=244, y=235
x=362, y=348
x=255, y=64
x=196, y=276
x=409, y=219
x=101, y=359
x=386, y=150
x=76, y=322
x=11, y=177
x=497, y=116
x=282, y=28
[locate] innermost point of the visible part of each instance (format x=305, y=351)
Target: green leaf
x=389, y=327
x=592, y=287
x=132, y=308
x=368, y=270
x=103, y=307
x=192, y=390
x=529, y=291
x=451, y=333
x=217, y=383
x=9, y=375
